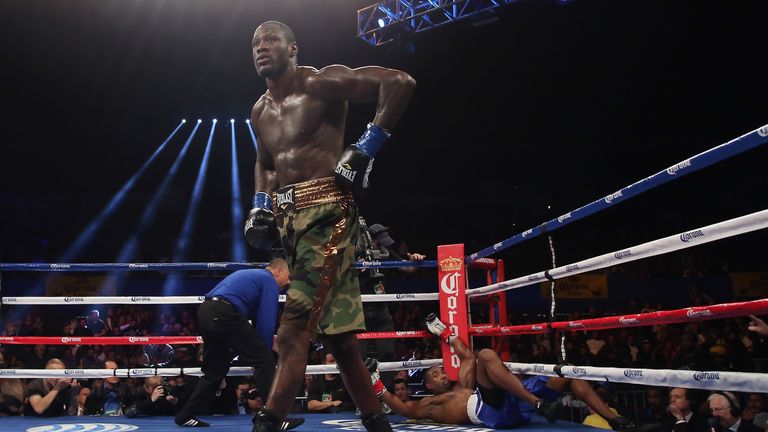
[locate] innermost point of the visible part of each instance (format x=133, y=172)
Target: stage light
x=214, y=120
x=381, y=22
x=85, y=237
x=238, y=245
x=248, y=121
x=231, y=120
x=183, y=120
x=199, y=121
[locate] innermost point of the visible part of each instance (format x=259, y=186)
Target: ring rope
x=729, y=228
x=33, y=300
x=696, y=313
x=711, y=380
x=100, y=267
x=722, y=152
x=196, y=371
x=170, y=340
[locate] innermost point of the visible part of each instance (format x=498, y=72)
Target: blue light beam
x=88, y=234
x=238, y=245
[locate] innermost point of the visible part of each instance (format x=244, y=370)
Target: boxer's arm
x=265, y=178
x=412, y=409
x=467, y=370
x=390, y=88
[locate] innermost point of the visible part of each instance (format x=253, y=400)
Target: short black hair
x=287, y=31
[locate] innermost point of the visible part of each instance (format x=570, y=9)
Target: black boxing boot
x=376, y=422
x=548, y=410
x=266, y=421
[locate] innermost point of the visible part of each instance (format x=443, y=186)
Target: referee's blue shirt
x=254, y=293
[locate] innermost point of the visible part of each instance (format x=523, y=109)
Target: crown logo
x=451, y=264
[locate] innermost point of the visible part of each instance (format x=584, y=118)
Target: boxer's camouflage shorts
x=320, y=241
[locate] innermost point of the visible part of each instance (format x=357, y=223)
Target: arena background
x=519, y=116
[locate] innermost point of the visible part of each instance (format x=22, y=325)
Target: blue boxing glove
x=356, y=162
x=260, y=227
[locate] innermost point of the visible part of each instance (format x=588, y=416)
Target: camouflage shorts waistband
x=308, y=194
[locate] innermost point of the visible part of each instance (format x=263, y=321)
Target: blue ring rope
x=100, y=267
x=732, y=148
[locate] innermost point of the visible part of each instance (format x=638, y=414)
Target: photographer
x=377, y=244
x=156, y=400
x=50, y=397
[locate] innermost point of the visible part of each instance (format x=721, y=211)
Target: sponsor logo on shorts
x=613, y=196
x=345, y=170
x=538, y=368
x=706, y=376
x=690, y=235
x=571, y=267
x=562, y=218
x=60, y=266
x=141, y=299
x=82, y=427
x=286, y=198
x=67, y=339
x=73, y=299
x=405, y=296
x=623, y=254
x=138, y=266
x=675, y=168
x=699, y=313
x=579, y=371
x=216, y=265
x=74, y=372
x=134, y=339
x=623, y=320
x=633, y=373
x=450, y=264
x=763, y=131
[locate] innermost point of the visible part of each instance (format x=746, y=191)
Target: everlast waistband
x=307, y=194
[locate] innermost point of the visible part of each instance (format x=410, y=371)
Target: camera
x=166, y=387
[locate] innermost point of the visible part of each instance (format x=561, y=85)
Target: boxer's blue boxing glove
x=356, y=162
x=260, y=227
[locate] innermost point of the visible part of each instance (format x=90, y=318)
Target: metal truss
x=378, y=24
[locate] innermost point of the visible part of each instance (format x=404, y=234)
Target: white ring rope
x=367, y=298
x=196, y=371
x=686, y=239
x=711, y=380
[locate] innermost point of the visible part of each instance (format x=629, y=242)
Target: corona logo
x=216, y=265
x=450, y=283
x=625, y=321
x=699, y=313
x=451, y=264
x=633, y=373
x=579, y=371
x=538, y=369
x=537, y=327
x=78, y=427
x=763, y=131
x=706, y=376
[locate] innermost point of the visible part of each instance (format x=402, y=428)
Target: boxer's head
x=274, y=49
x=436, y=380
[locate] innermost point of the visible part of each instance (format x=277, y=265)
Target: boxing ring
x=452, y=268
